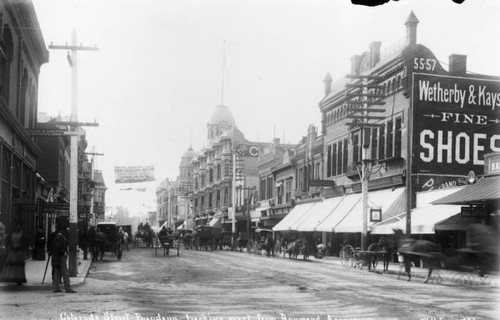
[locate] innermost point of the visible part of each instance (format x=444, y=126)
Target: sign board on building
x=46, y=132
x=247, y=150
x=375, y=215
x=456, y=122
x=321, y=183
x=478, y=212
x=132, y=174
x=492, y=163
x=380, y=183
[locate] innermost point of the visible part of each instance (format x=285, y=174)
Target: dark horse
x=382, y=248
x=97, y=242
x=426, y=250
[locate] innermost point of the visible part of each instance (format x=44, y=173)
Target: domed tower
x=186, y=168
x=221, y=121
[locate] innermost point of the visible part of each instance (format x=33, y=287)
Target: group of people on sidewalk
x=16, y=244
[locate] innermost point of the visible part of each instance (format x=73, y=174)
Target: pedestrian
x=39, y=250
x=60, y=260
x=83, y=241
x=17, y=246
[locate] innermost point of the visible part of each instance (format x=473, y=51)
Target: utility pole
x=73, y=205
x=359, y=111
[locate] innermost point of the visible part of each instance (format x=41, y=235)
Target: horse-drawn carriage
x=228, y=241
x=206, y=237
x=296, y=248
x=106, y=238
x=263, y=241
x=167, y=239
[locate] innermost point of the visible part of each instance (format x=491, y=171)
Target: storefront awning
x=380, y=199
x=293, y=216
x=424, y=218
x=484, y=190
x=456, y=222
x=317, y=214
x=347, y=203
x=215, y=222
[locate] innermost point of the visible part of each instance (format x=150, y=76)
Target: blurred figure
x=17, y=246
x=39, y=250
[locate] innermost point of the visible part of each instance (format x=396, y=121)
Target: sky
x=157, y=77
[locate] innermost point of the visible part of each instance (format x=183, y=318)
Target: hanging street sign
x=46, y=132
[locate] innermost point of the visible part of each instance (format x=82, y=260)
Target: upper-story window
x=288, y=190
x=398, y=137
x=6, y=56
x=211, y=175
x=219, y=171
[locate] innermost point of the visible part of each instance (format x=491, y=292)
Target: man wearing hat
x=60, y=260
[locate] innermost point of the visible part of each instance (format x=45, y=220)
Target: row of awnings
x=345, y=214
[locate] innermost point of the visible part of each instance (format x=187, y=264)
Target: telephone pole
x=359, y=111
x=73, y=204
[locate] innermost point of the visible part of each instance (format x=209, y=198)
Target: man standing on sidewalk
x=60, y=261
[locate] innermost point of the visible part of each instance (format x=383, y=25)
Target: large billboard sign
x=134, y=174
x=456, y=122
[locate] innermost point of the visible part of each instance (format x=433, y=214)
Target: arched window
x=6, y=56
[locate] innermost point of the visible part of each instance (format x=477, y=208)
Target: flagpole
x=233, y=209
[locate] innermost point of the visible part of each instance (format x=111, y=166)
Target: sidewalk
x=418, y=274
x=35, y=270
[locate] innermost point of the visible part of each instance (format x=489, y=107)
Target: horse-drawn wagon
x=228, y=241
x=263, y=241
x=106, y=238
x=205, y=237
x=167, y=239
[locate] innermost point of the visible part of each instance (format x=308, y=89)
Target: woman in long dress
x=17, y=244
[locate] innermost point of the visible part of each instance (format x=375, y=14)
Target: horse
x=375, y=250
x=268, y=245
x=97, y=241
x=293, y=249
x=426, y=250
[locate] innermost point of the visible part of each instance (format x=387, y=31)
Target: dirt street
x=224, y=285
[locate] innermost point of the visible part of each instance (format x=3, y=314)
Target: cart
x=262, y=241
x=204, y=238
x=228, y=241
x=109, y=240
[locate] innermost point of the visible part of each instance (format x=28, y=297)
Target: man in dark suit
x=60, y=261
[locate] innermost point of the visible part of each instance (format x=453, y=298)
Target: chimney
x=411, y=29
x=328, y=84
x=458, y=64
x=374, y=53
x=355, y=63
